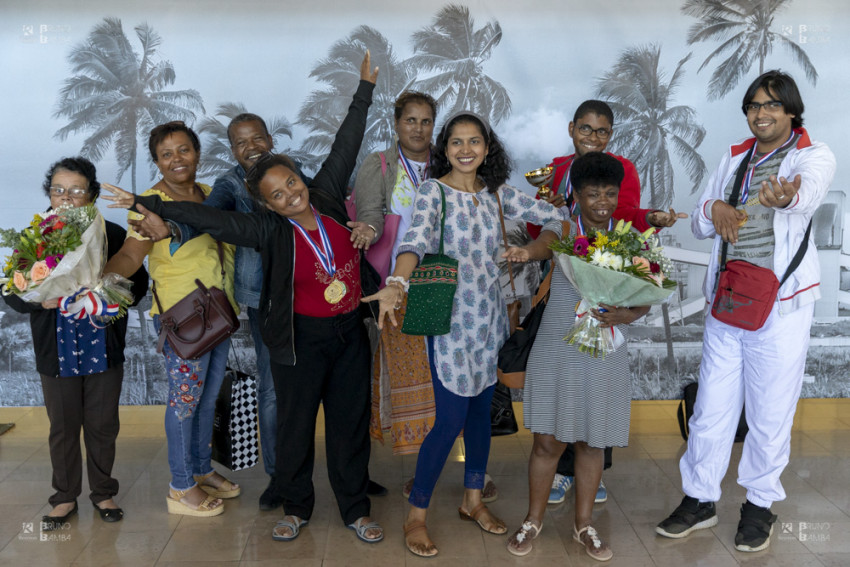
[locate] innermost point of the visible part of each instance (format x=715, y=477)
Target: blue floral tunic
x=465, y=358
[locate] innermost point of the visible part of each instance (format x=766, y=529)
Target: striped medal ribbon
x=336, y=290
x=745, y=186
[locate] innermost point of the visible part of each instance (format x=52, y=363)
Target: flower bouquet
x=61, y=254
x=619, y=267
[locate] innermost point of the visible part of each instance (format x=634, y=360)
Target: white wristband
x=405, y=284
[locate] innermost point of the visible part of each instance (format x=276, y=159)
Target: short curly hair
x=596, y=168
x=79, y=165
x=497, y=165
x=161, y=132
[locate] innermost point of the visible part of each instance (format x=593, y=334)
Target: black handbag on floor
x=686, y=410
x=502, y=418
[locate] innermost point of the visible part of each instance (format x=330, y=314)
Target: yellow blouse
x=174, y=276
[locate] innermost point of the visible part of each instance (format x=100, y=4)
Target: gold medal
x=335, y=292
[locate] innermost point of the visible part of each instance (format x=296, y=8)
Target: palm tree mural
x=116, y=94
x=453, y=48
x=216, y=157
x=324, y=109
x=743, y=27
x=649, y=125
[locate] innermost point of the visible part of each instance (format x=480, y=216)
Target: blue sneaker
x=601, y=493
x=560, y=486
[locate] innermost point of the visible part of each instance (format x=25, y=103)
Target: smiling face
x=415, y=128
x=771, y=127
x=177, y=159
x=466, y=148
x=284, y=192
x=249, y=140
x=585, y=143
x=72, y=182
x=597, y=203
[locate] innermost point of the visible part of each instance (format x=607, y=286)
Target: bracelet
x=405, y=284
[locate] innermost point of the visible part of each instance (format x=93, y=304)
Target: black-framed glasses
x=770, y=106
x=601, y=133
x=73, y=192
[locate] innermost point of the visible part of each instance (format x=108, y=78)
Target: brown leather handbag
x=199, y=322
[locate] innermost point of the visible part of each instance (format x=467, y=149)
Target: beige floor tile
x=216, y=544
x=113, y=547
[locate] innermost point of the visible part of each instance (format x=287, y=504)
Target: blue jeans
x=454, y=413
x=266, y=399
x=193, y=387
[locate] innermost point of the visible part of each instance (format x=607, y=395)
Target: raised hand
x=366, y=74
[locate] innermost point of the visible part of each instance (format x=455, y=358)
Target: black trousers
x=566, y=464
x=332, y=367
x=89, y=402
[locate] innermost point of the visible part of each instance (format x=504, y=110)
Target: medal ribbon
x=325, y=254
x=745, y=186
x=409, y=169
x=568, y=190
x=580, y=226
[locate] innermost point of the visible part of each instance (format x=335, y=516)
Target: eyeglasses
x=601, y=133
x=73, y=192
x=770, y=106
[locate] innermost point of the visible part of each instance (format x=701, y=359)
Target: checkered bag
x=235, y=443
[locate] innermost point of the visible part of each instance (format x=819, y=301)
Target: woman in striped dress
x=579, y=399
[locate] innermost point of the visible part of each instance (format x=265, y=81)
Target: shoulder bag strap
x=798, y=257
x=442, y=216
x=733, y=198
x=505, y=240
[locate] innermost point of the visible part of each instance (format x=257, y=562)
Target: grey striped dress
x=570, y=394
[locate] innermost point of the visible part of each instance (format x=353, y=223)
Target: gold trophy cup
x=541, y=178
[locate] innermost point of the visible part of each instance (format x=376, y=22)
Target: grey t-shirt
x=756, y=240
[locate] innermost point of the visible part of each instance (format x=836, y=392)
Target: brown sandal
x=224, y=489
x=416, y=548
x=593, y=544
x=205, y=509
x=475, y=516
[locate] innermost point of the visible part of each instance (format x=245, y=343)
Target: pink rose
x=581, y=245
x=39, y=271
x=20, y=281
x=641, y=264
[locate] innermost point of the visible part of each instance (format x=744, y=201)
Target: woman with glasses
x=81, y=388
x=196, y=489
x=313, y=279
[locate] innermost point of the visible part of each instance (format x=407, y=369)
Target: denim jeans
x=193, y=387
x=266, y=399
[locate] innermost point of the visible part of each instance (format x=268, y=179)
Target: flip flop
x=295, y=526
x=361, y=528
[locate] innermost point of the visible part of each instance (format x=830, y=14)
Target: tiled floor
x=814, y=526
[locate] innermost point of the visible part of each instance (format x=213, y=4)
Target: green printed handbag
x=432, y=290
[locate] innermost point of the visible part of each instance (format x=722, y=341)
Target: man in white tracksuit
x=786, y=179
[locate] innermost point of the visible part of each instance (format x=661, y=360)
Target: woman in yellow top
x=196, y=488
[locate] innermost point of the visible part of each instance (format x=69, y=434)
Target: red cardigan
x=628, y=205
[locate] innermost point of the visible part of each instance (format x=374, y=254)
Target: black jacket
x=43, y=321
x=272, y=234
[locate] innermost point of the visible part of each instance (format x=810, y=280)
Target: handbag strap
x=505, y=240
x=442, y=216
x=733, y=200
x=223, y=277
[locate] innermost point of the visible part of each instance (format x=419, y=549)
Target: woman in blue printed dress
x=470, y=167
